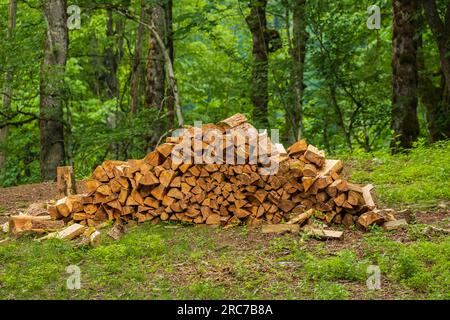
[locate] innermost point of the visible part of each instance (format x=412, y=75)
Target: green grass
x=419, y=179
x=154, y=262
x=183, y=262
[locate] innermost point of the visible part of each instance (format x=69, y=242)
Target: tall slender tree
x=298, y=54
x=441, y=31
x=155, y=75
x=170, y=98
x=257, y=23
x=135, y=69
x=52, y=88
x=7, y=88
x=404, y=63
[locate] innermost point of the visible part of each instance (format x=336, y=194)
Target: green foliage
x=343, y=267
x=330, y=291
x=200, y=263
x=213, y=68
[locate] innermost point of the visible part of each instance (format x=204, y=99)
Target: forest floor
x=173, y=261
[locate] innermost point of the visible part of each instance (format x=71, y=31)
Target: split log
x=324, y=234
x=369, y=218
x=65, y=181
x=37, y=224
x=394, y=225
x=71, y=232
x=280, y=228
x=315, y=156
x=116, y=232
x=302, y=217
x=370, y=204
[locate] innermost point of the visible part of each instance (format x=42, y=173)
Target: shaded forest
x=85, y=81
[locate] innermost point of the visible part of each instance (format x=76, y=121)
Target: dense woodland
x=113, y=83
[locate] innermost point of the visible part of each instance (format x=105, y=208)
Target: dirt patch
x=15, y=199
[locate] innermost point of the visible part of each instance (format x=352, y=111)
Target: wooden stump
x=65, y=182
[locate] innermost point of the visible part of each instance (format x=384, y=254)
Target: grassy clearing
x=177, y=262
x=419, y=179
x=154, y=262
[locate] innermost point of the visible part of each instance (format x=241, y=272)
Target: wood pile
x=257, y=182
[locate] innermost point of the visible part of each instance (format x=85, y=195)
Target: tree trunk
x=135, y=71
x=7, y=88
x=257, y=23
x=441, y=31
x=168, y=8
x=404, y=62
x=111, y=60
x=155, y=89
x=52, y=88
x=155, y=75
x=300, y=37
x=436, y=101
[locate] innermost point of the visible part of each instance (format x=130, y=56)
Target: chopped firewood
x=95, y=238
x=315, y=156
x=149, y=180
x=331, y=166
x=286, y=205
x=116, y=232
x=394, y=225
x=355, y=187
x=340, y=199
x=370, y=204
x=71, y=232
x=258, y=183
x=166, y=177
x=353, y=198
x=233, y=121
x=213, y=219
x=347, y=220
x=91, y=185
x=309, y=170
x=372, y=217
x=175, y=193
x=302, y=217
x=159, y=192
x=38, y=224
x=280, y=149
x=165, y=149
x=280, y=228
x=53, y=212
x=298, y=147
x=100, y=175
x=308, y=182
x=322, y=182
x=324, y=234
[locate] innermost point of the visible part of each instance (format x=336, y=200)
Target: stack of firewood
x=270, y=187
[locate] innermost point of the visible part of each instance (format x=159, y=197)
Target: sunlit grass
x=418, y=179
